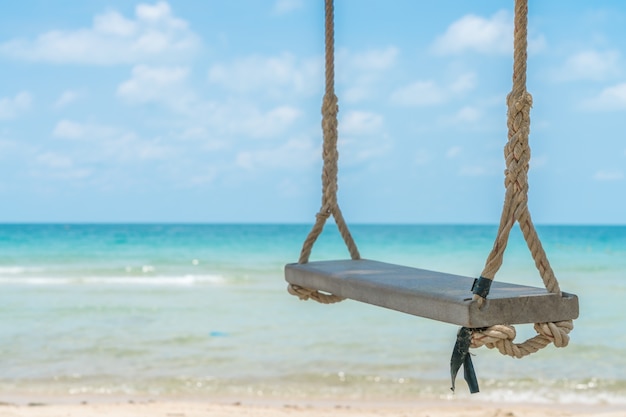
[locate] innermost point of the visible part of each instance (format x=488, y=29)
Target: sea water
x=169, y=310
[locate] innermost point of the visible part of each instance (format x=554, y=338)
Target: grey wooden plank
x=430, y=294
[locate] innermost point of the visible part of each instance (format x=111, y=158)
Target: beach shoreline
x=192, y=320
x=21, y=406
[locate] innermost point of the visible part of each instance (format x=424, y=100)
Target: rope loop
x=501, y=337
x=330, y=156
x=323, y=214
x=515, y=209
x=308, y=294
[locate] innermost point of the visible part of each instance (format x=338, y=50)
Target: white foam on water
x=549, y=395
x=185, y=280
x=17, y=270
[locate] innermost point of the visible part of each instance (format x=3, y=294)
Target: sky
x=209, y=111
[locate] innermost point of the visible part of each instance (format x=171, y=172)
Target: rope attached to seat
x=517, y=156
x=329, y=207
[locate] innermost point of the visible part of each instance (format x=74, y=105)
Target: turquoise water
x=186, y=310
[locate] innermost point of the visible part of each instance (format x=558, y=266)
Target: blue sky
x=209, y=111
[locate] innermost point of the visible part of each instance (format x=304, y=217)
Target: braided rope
x=517, y=156
x=501, y=337
x=330, y=155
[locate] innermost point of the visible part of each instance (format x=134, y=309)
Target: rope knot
x=323, y=214
x=305, y=294
x=492, y=335
x=501, y=337
x=557, y=332
x=300, y=292
x=521, y=102
x=330, y=105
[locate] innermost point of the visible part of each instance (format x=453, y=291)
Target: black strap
x=482, y=286
x=461, y=356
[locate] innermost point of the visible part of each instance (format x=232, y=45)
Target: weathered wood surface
x=430, y=294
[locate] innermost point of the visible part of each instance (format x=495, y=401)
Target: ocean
x=201, y=310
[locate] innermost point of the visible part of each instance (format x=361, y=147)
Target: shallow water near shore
x=186, y=310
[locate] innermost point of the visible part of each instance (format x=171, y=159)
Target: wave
x=184, y=280
x=17, y=270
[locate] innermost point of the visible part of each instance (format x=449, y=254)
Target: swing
x=485, y=309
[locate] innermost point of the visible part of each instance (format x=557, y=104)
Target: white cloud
x=611, y=98
x=375, y=150
x=148, y=83
x=492, y=35
x=464, y=83
x=58, y=166
x=608, y=175
x=295, y=153
x=422, y=157
x=166, y=85
x=536, y=44
x=13, y=107
x=360, y=122
x=425, y=93
x=6, y=146
x=202, y=177
x=466, y=115
x=275, y=75
x=285, y=74
x=110, y=142
x=370, y=60
x=538, y=161
x=155, y=34
x=290, y=188
x=92, y=132
x=169, y=86
x=241, y=120
x=356, y=152
x=287, y=6
x=359, y=73
x=356, y=93
x=589, y=65
x=67, y=129
x=113, y=23
x=268, y=124
x=472, y=171
x=66, y=98
x=419, y=93
x=453, y=152
x=150, y=149
x=55, y=160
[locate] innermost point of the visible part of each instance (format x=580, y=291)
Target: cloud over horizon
x=153, y=35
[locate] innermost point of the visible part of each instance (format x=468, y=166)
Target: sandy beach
x=131, y=408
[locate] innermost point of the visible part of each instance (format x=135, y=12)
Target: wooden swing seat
x=433, y=295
